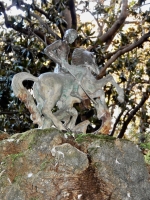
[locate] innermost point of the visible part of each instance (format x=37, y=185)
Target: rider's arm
x=50, y=51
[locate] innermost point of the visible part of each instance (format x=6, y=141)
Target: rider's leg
x=62, y=101
x=76, y=85
x=61, y=104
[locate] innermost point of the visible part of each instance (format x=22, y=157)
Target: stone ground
x=50, y=165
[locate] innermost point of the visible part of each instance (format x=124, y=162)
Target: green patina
x=90, y=137
x=31, y=136
x=14, y=157
x=145, y=145
x=44, y=164
x=147, y=158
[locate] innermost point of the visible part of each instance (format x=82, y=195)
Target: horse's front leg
x=103, y=114
x=101, y=108
x=68, y=114
x=120, y=91
x=63, y=115
x=109, y=78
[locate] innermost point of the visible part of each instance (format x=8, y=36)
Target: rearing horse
x=48, y=89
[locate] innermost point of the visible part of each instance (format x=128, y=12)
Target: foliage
x=145, y=146
x=89, y=137
x=118, y=36
x=147, y=157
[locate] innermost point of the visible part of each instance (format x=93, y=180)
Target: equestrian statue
x=67, y=85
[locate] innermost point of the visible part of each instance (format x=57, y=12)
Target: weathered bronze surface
x=67, y=85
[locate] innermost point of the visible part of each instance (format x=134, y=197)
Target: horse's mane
x=81, y=56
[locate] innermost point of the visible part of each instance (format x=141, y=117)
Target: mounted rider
x=82, y=60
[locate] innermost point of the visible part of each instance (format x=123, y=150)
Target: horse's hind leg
x=48, y=115
x=68, y=113
x=40, y=102
x=68, y=116
x=32, y=107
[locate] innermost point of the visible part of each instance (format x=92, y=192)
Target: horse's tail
x=25, y=96
x=17, y=85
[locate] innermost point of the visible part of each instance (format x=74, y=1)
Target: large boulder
x=51, y=165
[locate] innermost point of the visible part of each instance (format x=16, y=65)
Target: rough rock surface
x=50, y=165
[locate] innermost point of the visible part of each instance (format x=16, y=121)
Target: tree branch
x=116, y=122
x=108, y=56
x=34, y=7
x=71, y=4
x=45, y=25
x=109, y=35
x=97, y=21
x=133, y=112
x=68, y=14
x=27, y=30
x=122, y=51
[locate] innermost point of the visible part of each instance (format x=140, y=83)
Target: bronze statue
x=58, y=52
x=69, y=84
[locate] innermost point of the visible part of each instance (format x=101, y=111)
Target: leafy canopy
x=118, y=34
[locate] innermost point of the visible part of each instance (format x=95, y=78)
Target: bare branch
x=68, y=15
x=44, y=41
x=122, y=51
x=108, y=56
x=45, y=25
x=34, y=7
x=116, y=122
x=133, y=112
x=27, y=30
x=109, y=35
x=71, y=4
x=97, y=21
